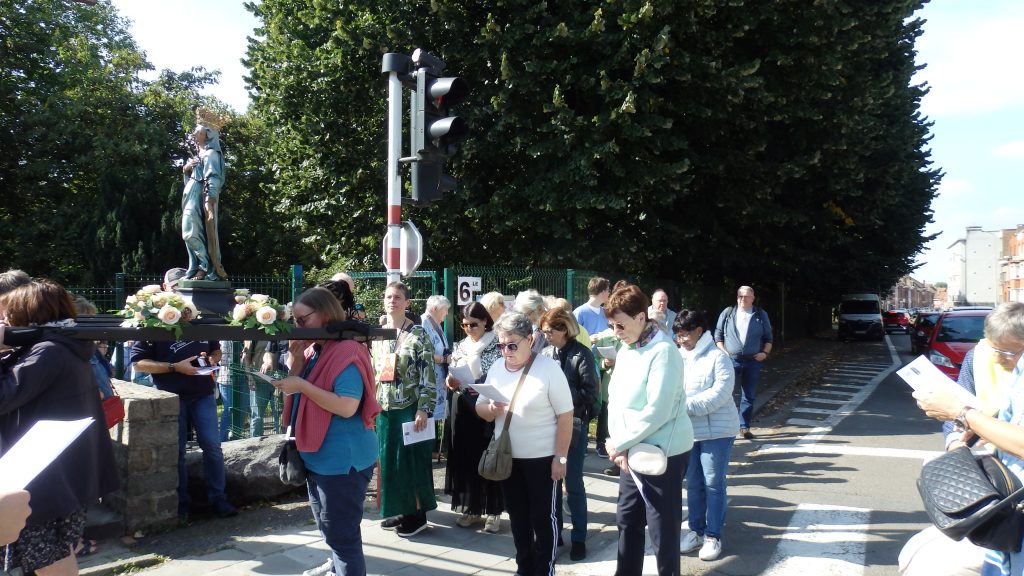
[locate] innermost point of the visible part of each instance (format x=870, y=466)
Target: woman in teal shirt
x=334, y=386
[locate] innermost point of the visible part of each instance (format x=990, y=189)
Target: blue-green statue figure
x=204, y=177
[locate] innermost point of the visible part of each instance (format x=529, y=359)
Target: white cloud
x=1013, y=149
x=972, y=59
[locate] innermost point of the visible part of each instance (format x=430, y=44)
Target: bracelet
x=170, y=367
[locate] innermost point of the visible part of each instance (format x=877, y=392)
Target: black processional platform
x=108, y=327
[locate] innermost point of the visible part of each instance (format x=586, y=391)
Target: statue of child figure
x=204, y=177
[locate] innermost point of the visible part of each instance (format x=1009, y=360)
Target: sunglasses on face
x=511, y=346
x=470, y=324
x=551, y=330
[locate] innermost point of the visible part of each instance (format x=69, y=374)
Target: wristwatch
x=562, y=460
x=961, y=420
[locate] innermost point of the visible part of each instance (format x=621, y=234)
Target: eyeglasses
x=551, y=330
x=300, y=321
x=470, y=324
x=511, y=346
x=1006, y=353
x=680, y=336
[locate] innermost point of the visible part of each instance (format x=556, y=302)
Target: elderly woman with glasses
x=708, y=379
x=577, y=363
x=1004, y=329
x=474, y=355
x=540, y=431
x=646, y=404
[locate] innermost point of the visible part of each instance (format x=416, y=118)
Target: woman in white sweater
x=709, y=379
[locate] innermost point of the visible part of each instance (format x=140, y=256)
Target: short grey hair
x=530, y=302
x=514, y=323
x=13, y=279
x=1006, y=322
x=436, y=302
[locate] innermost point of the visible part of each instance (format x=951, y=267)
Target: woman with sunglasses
x=709, y=379
x=472, y=495
x=577, y=363
x=540, y=431
x=646, y=404
x=333, y=428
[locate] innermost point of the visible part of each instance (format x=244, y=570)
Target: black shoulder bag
x=290, y=467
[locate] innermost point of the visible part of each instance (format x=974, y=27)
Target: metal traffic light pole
x=396, y=66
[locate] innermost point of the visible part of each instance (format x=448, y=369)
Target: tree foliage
x=774, y=142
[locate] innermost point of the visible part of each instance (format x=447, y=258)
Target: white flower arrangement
x=260, y=311
x=151, y=307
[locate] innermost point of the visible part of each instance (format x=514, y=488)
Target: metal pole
x=392, y=245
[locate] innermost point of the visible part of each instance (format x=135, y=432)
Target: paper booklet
x=40, y=446
x=922, y=375
x=607, y=352
x=411, y=437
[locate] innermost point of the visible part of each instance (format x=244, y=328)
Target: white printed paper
x=268, y=377
x=410, y=436
x=40, y=446
x=490, y=392
x=608, y=352
x=463, y=374
x=207, y=370
x=923, y=376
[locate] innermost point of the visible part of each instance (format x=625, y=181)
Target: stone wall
x=146, y=446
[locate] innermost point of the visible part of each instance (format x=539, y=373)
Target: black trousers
x=655, y=502
x=530, y=498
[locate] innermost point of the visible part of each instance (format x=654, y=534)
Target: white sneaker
x=322, y=570
x=711, y=549
x=466, y=519
x=690, y=542
x=493, y=524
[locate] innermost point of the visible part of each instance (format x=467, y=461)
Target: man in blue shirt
x=745, y=334
x=174, y=369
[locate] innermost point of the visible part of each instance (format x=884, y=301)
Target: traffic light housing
x=434, y=131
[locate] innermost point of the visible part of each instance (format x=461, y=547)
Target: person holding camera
x=175, y=369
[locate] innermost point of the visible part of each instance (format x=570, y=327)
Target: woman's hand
x=452, y=383
x=607, y=363
x=14, y=510
x=420, y=422
x=941, y=405
x=557, y=469
x=291, y=384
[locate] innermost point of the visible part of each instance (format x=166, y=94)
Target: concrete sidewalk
x=283, y=540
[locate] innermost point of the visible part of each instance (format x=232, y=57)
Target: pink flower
x=240, y=312
x=266, y=315
x=169, y=315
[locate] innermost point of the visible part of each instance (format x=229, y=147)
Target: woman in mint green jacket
x=646, y=404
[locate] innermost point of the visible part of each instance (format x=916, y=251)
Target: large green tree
x=777, y=142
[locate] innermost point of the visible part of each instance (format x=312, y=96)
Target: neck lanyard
x=398, y=338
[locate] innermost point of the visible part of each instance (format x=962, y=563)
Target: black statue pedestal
x=211, y=297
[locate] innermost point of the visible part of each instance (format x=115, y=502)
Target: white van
x=860, y=316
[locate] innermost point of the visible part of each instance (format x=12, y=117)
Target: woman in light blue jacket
x=709, y=379
x=646, y=404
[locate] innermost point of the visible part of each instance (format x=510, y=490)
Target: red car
x=896, y=320
x=955, y=333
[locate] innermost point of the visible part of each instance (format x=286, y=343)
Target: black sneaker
x=224, y=509
x=578, y=551
x=412, y=524
x=602, y=452
x=392, y=523
x=612, y=471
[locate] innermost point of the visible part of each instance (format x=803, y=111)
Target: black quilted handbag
x=974, y=496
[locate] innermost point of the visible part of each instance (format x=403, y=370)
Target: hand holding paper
x=925, y=378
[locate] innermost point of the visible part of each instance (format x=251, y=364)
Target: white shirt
x=743, y=323
x=545, y=394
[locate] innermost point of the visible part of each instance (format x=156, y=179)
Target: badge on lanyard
x=387, y=370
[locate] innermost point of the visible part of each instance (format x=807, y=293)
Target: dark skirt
x=39, y=546
x=470, y=435
x=406, y=472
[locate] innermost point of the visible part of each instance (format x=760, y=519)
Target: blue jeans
x=201, y=413
x=336, y=501
x=748, y=376
x=705, y=485
x=577, y=495
x=227, y=400
x=259, y=399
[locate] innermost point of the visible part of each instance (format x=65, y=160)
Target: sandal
x=86, y=548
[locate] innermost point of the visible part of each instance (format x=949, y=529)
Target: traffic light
x=434, y=131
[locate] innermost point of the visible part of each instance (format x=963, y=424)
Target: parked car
x=897, y=319
x=860, y=316
x=921, y=333
x=955, y=332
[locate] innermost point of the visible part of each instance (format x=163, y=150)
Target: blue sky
x=972, y=50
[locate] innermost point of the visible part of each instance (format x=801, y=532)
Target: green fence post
x=119, y=297
x=297, y=285
x=570, y=275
